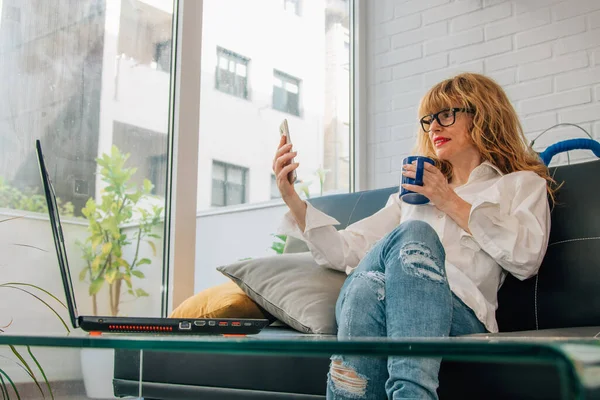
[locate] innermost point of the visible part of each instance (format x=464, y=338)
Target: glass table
x=576, y=360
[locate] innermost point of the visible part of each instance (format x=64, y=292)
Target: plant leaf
x=41, y=300
x=151, y=243
x=41, y=370
x=141, y=293
x=283, y=238
x=144, y=261
x=278, y=247
x=138, y=274
x=106, y=248
x=27, y=367
x=11, y=384
x=111, y=276
x=3, y=388
x=38, y=288
x=96, y=285
x=82, y=274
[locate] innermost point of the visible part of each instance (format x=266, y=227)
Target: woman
x=432, y=270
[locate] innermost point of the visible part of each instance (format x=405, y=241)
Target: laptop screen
x=57, y=232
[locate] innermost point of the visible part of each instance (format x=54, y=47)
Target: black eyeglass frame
x=436, y=117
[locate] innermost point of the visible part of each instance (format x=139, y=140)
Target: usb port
x=247, y=323
x=236, y=323
x=223, y=323
x=211, y=323
x=185, y=326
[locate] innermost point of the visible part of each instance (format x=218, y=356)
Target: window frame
x=182, y=166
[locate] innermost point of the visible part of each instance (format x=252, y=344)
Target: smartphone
x=285, y=131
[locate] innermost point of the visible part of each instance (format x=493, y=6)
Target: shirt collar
x=492, y=166
x=484, y=169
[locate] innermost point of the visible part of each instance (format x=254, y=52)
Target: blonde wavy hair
x=495, y=131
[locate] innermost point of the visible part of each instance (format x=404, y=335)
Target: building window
x=162, y=55
x=228, y=184
x=286, y=93
x=158, y=174
x=292, y=6
x=232, y=73
x=274, y=189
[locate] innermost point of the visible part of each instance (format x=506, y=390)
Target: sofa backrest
x=352, y=207
x=566, y=291
x=347, y=208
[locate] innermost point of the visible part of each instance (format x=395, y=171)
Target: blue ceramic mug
x=409, y=196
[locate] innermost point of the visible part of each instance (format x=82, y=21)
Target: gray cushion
x=293, y=245
x=293, y=288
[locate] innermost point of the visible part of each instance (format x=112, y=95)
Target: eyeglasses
x=445, y=117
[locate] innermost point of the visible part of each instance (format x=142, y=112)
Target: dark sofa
x=563, y=300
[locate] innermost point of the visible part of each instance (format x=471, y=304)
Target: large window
x=229, y=184
x=291, y=67
x=92, y=79
x=232, y=73
x=286, y=93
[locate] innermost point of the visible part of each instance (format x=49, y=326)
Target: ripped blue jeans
x=398, y=290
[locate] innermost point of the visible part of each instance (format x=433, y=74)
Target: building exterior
x=85, y=75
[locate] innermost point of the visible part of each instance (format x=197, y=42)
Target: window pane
x=311, y=91
x=241, y=70
x=291, y=87
x=218, y=193
x=235, y=194
x=218, y=172
x=223, y=63
x=91, y=80
x=235, y=175
x=279, y=99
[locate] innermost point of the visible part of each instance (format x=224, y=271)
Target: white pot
x=98, y=367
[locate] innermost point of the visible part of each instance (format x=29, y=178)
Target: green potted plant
x=122, y=204
x=123, y=208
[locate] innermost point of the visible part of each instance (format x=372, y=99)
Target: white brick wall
x=545, y=53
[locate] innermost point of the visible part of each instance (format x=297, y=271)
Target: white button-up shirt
x=509, y=221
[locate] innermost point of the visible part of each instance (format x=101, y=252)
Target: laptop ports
x=185, y=326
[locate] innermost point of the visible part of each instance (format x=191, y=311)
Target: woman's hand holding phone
x=283, y=168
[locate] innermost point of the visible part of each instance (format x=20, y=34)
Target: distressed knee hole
x=344, y=379
x=417, y=260
x=376, y=282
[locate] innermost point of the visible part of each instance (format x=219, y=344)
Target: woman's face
x=453, y=142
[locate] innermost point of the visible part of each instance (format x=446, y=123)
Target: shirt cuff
x=313, y=219
x=478, y=219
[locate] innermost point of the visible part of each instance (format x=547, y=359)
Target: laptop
x=202, y=326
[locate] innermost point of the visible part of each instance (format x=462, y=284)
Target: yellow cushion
x=223, y=301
